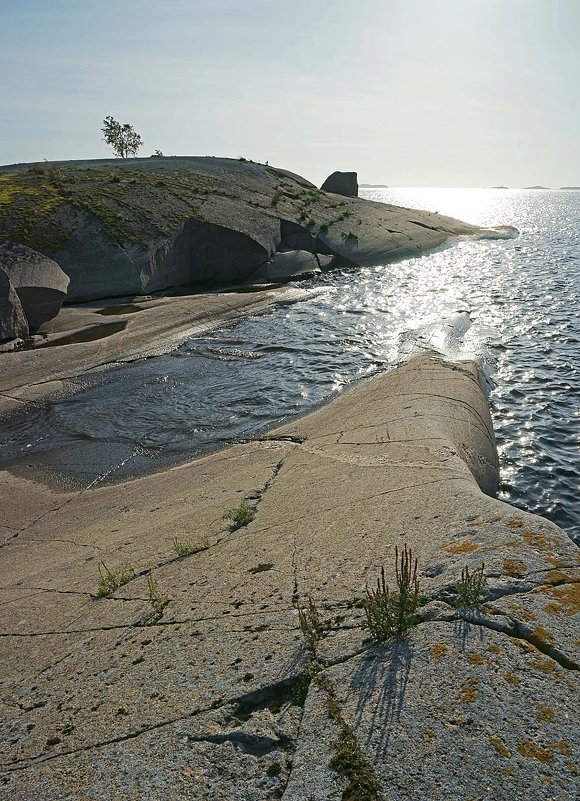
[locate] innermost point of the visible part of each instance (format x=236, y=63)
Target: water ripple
x=509, y=303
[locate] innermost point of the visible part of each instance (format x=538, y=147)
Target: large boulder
x=342, y=183
x=13, y=322
x=39, y=282
x=291, y=265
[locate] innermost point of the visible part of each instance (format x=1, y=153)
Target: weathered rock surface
x=200, y=689
x=39, y=282
x=134, y=228
x=13, y=322
x=342, y=183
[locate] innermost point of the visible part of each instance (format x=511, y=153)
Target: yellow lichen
x=515, y=568
x=540, y=542
x=544, y=635
x=557, y=577
x=562, y=746
x=555, y=561
x=529, y=749
x=469, y=690
x=475, y=659
x=495, y=649
x=467, y=546
x=499, y=746
x=524, y=645
x=516, y=523
x=511, y=678
x=566, y=599
x=545, y=713
x=438, y=650
x=523, y=614
x=547, y=666
x=429, y=734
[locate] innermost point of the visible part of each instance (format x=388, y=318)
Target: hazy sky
x=406, y=92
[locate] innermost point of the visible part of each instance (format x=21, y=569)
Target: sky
x=405, y=92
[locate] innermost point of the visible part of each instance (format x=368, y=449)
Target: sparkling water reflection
x=511, y=304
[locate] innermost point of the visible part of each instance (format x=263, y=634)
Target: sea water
x=511, y=304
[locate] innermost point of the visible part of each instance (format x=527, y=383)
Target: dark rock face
x=39, y=282
x=12, y=319
x=341, y=183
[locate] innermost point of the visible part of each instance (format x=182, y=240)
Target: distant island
x=536, y=187
x=373, y=186
x=500, y=187
x=570, y=187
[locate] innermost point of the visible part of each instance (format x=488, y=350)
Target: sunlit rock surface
x=195, y=680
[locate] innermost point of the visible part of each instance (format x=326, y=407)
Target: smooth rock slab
x=477, y=702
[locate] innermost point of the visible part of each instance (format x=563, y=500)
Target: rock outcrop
x=342, y=183
x=151, y=224
x=200, y=679
x=39, y=282
x=13, y=322
x=291, y=265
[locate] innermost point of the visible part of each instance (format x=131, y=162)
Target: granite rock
x=342, y=183
x=13, y=323
x=39, y=282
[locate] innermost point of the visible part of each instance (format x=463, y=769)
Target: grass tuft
x=111, y=580
x=470, y=590
x=349, y=236
x=241, y=516
x=157, y=600
x=310, y=624
x=186, y=547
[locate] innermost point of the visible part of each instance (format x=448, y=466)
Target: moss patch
x=348, y=758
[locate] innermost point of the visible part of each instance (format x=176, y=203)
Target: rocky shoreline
x=121, y=227
x=198, y=678
x=204, y=632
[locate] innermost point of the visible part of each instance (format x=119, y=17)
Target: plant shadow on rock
x=389, y=615
x=380, y=682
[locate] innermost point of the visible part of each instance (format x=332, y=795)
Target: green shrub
x=389, y=614
x=241, y=516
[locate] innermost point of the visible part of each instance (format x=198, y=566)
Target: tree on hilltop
x=122, y=138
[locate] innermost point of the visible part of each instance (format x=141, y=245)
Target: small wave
x=444, y=337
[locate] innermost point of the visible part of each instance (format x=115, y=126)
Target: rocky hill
x=121, y=227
